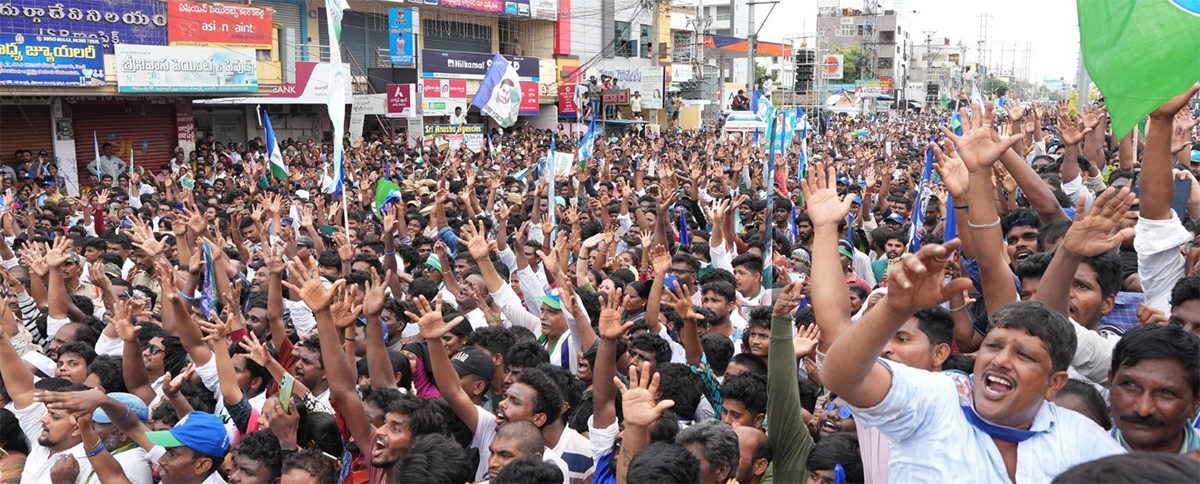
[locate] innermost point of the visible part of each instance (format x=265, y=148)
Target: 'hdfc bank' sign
x=834, y=66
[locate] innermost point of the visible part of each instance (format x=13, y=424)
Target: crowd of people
x=1027, y=310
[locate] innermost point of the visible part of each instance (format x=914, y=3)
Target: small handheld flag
x=274, y=156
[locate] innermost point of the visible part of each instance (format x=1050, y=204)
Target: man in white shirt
x=107, y=163
x=996, y=422
x=458, y=118
x=51, y=434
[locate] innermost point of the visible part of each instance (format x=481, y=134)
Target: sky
x=1050, y=26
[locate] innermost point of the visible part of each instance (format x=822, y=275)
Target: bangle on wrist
x=985, y=226
x=122, y=419
x=96, y=451
x=967, y=208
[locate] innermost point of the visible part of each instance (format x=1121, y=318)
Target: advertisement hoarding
x=218, y=24
x=400, y=37
x=440, y=97
x=566, y=102
x=518, y=8
x=149, y=68
x=34, y=60
x=873, y=87
x=529, y=99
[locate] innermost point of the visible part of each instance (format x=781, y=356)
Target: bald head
x=754, y=454
x=525, y=435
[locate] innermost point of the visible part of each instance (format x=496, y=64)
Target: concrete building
x=893, y=42
x=940, y=62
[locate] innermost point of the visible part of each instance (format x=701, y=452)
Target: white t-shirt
x=575, y=451
x=40, y=458
x=485, y=432
x=135, y=465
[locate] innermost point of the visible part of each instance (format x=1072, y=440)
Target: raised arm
x=783, y=401
x=978, y=150
x=640, y=409
x=604, y=392
x=1090, y=235
x=379, y=366
x=831, y=300
x=18, y=380
x=433, y=326
x=850, y=368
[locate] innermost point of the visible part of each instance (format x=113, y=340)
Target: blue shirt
x=932, y=441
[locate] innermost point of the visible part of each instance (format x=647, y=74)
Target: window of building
x=845, y=30
x=644, y=42
x=623, y=46
x=885, y=63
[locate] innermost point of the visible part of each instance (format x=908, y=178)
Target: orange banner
x=204, y=24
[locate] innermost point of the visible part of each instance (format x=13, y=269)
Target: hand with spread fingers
x=429, y=318
x=638, y=400
x=825, y=206
x=610, y=326
x=977, y=147
x=1100, y=230
x=311, y=288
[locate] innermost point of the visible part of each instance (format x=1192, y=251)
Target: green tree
x=760, y=72
x=995, y=87
x=852, y=60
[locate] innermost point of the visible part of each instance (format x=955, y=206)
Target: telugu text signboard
x=217, y=24
x=142, y=22
x=148, y=68
x=34, y=60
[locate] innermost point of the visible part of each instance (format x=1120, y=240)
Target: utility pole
x=751, y=39
x=752, y=42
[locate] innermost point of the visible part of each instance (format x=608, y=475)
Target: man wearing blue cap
x=192, y=451
x=123, y=448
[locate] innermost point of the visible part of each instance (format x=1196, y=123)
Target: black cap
x=43, y=153
x=471, y=360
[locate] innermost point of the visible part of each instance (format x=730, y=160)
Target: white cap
x=42, y=362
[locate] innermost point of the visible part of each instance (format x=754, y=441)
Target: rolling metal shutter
x=288, y=16
x=26, y=127
x=362, y=33
x=148, y=128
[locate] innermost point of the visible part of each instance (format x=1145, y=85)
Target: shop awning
x=735, y=44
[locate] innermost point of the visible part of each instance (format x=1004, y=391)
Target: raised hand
x=789, y=299
x=476, y=240
x=344, y=311
x=430, y=319
x=1100, y=230
x=172, y=384
x=638, y=399
x=660, y=259
x=214, y=328
x=679, y=300
x=977, y=146
x=825, y=206
x=255, y=349
x=805, y=341
x=610, y=325
x=143, y=238
x=311, y=290
x=918, y=280
x=952, y=170
x=1172, y=106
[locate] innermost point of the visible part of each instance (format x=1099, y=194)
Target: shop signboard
x=34, y=60
x=218, y=25
x=149, y=68
x=440, y=97
x=444, y=64
x=142, y=22
x=455, y=135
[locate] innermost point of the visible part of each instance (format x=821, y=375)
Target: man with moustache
x=1155, y=390
x=982, y=422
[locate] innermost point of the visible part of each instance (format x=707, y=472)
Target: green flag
x=1140, y=53
x=386, y=192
